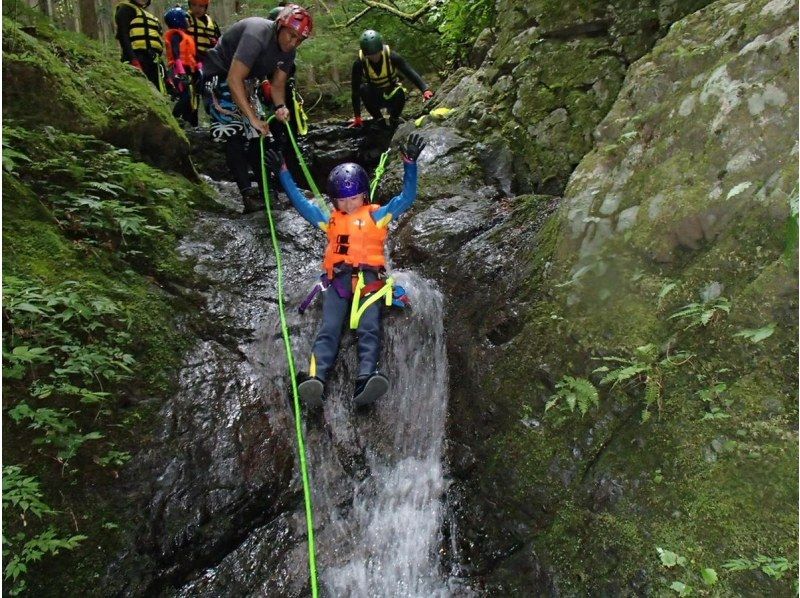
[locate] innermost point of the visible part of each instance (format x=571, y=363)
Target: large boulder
x=72, y=83
x=552, y=75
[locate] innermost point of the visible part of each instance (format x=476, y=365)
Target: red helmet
x=296, y=17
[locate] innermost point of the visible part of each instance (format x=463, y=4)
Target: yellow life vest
x=145, y=31
x=204, y=34
x=386, y=77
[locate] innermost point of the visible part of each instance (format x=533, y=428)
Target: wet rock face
x=669, y=193
x=325, y=146
x=223, y=464
x=550, y=78
x=223, y=495
x=688, y=180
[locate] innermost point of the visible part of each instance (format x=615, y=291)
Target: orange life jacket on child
x=354, y=239
x=187, y=49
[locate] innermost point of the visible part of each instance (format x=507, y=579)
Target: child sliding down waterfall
x=355, y=266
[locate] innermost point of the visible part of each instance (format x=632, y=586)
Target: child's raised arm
x=411, y=150
x=308, y=209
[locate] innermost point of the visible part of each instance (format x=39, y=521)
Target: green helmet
x=371, y=42
x=273, y=14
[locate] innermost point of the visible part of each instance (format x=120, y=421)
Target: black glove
x=412, y=147
x=274, y=161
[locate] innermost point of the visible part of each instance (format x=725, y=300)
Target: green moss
x=46, y=245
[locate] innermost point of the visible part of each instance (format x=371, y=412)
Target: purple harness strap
x=320, y=286
x=340, y=283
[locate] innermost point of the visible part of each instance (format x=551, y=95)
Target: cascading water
x=384, y=541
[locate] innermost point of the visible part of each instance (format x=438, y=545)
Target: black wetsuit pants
x=335, y=316
x=374, y=99
x=149, y=62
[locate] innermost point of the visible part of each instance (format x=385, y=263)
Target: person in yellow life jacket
x=202, y=28
x=354, y=265
x=181, y=65
x=139, y=35
x=374, y=79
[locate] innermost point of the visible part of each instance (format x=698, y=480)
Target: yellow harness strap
x=300, y=115
x=357, y=308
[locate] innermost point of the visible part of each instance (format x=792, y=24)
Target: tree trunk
x=88, y=17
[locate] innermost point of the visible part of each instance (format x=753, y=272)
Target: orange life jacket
x=187, y=49
x=354, y=239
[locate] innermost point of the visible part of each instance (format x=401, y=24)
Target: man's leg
x=236, y=159
x=149, y=66
x=395, y=103
x=370, y=96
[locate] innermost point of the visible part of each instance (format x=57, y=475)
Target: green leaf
x=709, y=576
x=669, y=558
x=681, y=588
x=623, y=374
x=665, y=290
x=756, y=335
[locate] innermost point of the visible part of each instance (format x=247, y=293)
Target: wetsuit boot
x=311, y=391
x=251, y=198
x=369, y=389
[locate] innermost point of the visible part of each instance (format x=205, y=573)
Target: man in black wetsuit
x=376, y=83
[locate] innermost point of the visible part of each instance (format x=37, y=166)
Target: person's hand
x=427, y=94
x=282, y=113
x=136, y=64
x=274, y=161
x=412, y=147
x=261, y=126
x=356, y=122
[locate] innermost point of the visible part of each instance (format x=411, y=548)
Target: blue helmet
x=346, y=180
x=176, y=18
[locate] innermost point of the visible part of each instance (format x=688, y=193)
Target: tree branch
x=411, y=17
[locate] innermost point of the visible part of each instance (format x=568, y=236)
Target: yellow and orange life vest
x=354, y=239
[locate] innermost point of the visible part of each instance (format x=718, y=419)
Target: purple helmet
x=346, y=180
x=175, y=18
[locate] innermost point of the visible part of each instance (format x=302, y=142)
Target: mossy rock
x=67, y=81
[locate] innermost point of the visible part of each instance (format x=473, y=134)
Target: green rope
x=312, y=560
x=317, y=195
x=378, y=174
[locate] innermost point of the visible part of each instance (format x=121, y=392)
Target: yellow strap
x=161, y=75
x=356, y=310
x=299, y=114
x=390, y=95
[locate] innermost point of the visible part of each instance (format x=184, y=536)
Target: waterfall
x=377, y=479
x=384, y=540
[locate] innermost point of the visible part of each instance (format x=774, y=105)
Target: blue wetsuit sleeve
x=399, y=203
x=308, y=210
